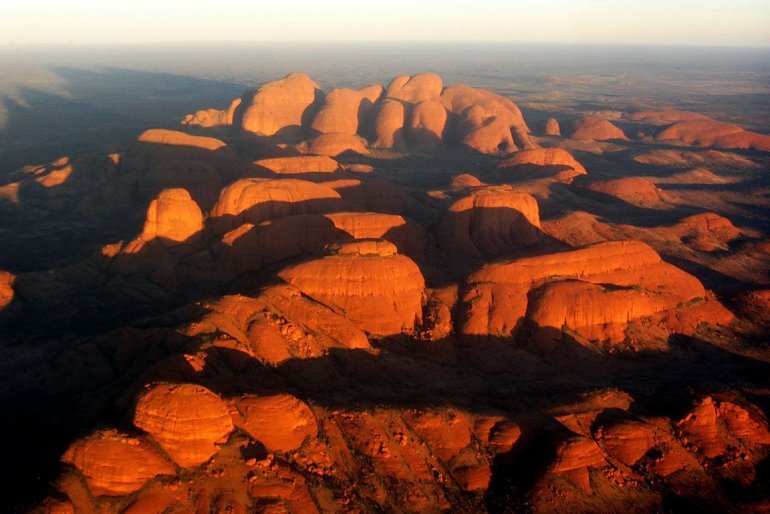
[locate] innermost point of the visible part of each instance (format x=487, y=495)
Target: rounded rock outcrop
x=388, y=127
x=116, y=464
x=716, y=134
x=299, y=164
x=281, y=422
x=490, y=221
x=280, y=105
x=173, y=217
x=637, y=191
x=426, y=124
x=556, y=160
x=595, y=129
x=367, y=281
x=187, y=420
x=417, y=88
x=551, y=127
x=334, y=143
x=252, y=200
x=176, y=138
x=341, y=112
x=6, y=288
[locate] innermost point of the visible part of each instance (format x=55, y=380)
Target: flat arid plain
x=385, y=278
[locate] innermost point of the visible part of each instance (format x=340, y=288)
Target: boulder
x=173, y=218
x=333, y=144
x=426, y=124
x=388, y=127
x=187, y=420
x=176, y=138
x=286, y=104
x=367, y=281
x=299, y=164
x=415, y=89
x=115, y=464
x=252, y=200
x=281, y=422
x=716, y=134
x=490, y=221
x=595, y=129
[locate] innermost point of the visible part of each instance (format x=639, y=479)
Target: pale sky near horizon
x=674, y=22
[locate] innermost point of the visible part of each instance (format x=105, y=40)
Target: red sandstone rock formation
x=464, y=181
x=345, y=110
x=637, y=191
x=716, y=134
x=388, y=127
x=257, y=200
x=490, y=123
x=551, y=127
x=491, y=220
x=299, y=164
x=187, y=420
x=333, y=144
x=249, y=247
x=282, y=105
x=418, y=88
x=548, y=160
x=175, y=138
x=426, y=124
x=664, y=117
x=280, y=422
x=6, y=289
x=497, y=298
x=213, y=117
x=173, y=217
x=116, y=464
x=595, y=129
x=368, y=282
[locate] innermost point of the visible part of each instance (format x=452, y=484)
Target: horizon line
x=65, y=45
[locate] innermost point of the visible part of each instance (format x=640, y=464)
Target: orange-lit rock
x=628, y=440
x=665, y=116
x=595, y=129
x=388, y=126
x=707, y=232
x=368, y=282
x=491, y=220
x=573, y=458
x=333, y=144
x=744, y=421
x=187, y=420
x=701, y=428
x=551, y=160
x=551, y=127
x=176, y=138
x=592, y=310
x=299, y=164
x=285, y=104
x=496, y=299
x=344, y=110
x=173, y=217
x=482, y=109
x=417, y=88
x=253, y=201
x=281, y=422
x=493, y=136
x=250, y=247
x=426, y=124
x=637, y=191
x=213, y=117
x=115, y=464
x=464, y=181
x=6, y=288
x=714, y=133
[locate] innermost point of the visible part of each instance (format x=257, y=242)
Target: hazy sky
x=693, y=22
